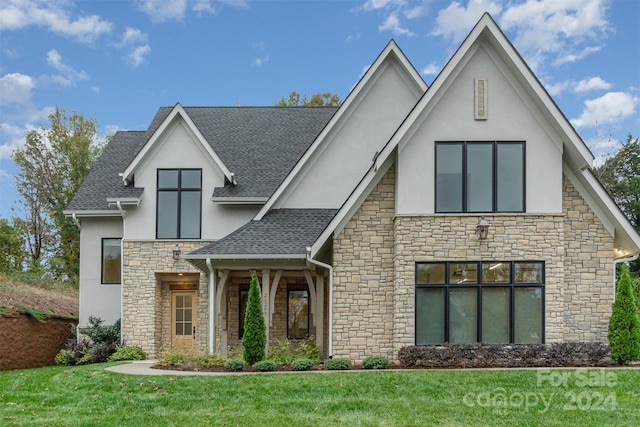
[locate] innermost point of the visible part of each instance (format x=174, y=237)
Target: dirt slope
x=58, y=299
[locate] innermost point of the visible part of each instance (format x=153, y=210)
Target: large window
x=490, y=302
x=480, y=177
x=179, y=201
x=111, y=261
x=297, y=313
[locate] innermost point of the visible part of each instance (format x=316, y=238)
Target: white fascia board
x=177, y=110
x=95, y=213
x=239, y=200
x=125, y=200
x=352, y=204
x=349, y=103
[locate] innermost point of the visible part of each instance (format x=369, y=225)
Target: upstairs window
x=179, y=203
x=111, y=261
x=480, y=177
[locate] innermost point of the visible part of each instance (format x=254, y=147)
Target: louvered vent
x=480, y=101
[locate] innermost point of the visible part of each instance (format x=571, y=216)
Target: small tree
x=254, y=339
x=624, y=325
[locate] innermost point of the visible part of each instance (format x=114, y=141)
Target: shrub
x=172, y=357
x=624, y=325
x=99, y=333
x=127, y=353
x=338, y=364
x=265, y=366
x=254, y=339
x=101, y=352
x=234, y=365
x=375, y=362
x=302, y=364
x=505, y=355
x=74, y=353
x=285, y=351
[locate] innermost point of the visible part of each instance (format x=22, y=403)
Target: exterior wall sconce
x=176, y=252
x=482, y=230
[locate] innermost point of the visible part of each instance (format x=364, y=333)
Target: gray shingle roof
x=281, y=231
x=103, y=181
x=259, y=144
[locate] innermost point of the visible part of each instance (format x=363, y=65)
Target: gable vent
x=480, y=99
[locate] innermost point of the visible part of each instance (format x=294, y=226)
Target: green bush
x=338, y=364
x=254, y=339
x=624, y=325
x=302, y=364
x=234, y=365
x=172, y=357
x=74, y=353
x=375, y=362
x=99, y=333
x=127, y=353
x=101, y=352
x=285, y=351
x=265, y=366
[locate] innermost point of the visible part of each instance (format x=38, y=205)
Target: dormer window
x=480, y=177
x=179, y=203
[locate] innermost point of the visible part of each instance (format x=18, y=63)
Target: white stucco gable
x=175, y=115
x=331, y=168
x=519, y=109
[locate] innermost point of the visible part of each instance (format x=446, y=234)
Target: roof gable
x=178, y=112
x=390, y=54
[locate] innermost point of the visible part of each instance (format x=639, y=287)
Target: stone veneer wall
x=363, y=260
x=588, y=275
x=376, y=252
x=145, y=300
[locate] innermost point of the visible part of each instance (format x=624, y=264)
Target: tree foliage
x=318, y=100
x=53, y=164
x=624, y=325
x=254, y=339
x=620, y=175
x=11, y=252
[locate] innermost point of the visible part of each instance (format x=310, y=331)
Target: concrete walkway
x=143, y=367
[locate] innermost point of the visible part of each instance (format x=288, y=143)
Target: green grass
x=89, y=395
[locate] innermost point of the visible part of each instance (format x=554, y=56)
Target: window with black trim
x=489, y=301
x=480, y=176
x=179, y=203
x=111, y=261
x=297, y=313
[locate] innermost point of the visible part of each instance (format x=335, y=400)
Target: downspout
x=76, y=221
x=212, y=302
x=615, y=266
x=330, y=268
x=122, y=213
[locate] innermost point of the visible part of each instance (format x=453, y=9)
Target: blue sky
x=118, y=61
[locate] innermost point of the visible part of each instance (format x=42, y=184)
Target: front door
x=183, y=320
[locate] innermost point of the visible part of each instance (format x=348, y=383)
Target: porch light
x=482, y=230
x=176, y=252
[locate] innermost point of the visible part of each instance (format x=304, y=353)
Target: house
x=466, y=211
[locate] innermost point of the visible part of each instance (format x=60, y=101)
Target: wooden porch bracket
x=312, y=294
x=272, y=295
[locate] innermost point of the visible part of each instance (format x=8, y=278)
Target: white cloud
x=132, y=36
x=557, y=28
x=353, y=37
x=15, y=88
x=431, y=69
x=609, y=108
x=163, y=10
x=455, y=22
x=138, y=55
x=370, y=5
x=415, y=12
x=392, y=23
x=257, y=62
x=17, y=14
x=594, y=83
x=68, y=76
x=557, y=88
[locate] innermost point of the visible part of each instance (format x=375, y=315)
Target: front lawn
x=89, y=395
